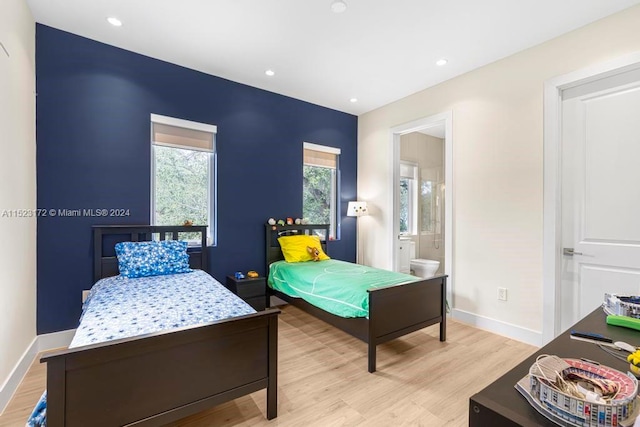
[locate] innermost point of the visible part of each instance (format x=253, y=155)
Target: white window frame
x=211, y=168
x=333, y=207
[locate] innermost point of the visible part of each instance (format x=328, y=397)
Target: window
x=183, y=175
x=427, y=196
x=408, y=198
x=320, y=174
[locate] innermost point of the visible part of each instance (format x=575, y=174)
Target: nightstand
x=252, y=290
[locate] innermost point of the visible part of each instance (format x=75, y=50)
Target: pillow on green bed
x=142, y=259
x=294, y=248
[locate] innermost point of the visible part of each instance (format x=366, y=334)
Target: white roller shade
x=408, y=170
x=317, y=155
x=171, y=132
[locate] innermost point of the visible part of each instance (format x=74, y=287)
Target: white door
x=600, y=194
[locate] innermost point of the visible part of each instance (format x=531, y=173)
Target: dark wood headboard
x=274, y=252
x=105, y=263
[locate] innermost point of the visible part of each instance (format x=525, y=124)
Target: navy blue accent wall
x=93, y=151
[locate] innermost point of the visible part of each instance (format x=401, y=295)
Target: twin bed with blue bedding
x=154, y=347
x=373, y=305
x=119, y=307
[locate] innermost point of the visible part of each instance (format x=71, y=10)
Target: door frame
x=552, y=198
x=446, y=119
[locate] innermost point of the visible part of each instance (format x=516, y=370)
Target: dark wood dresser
x=500, y=404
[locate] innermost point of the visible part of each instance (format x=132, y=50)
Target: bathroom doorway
x=421, y=200
x=422, y=197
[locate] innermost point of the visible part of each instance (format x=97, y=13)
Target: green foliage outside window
x=181, y=187
x=404, y=205
x=316, y=199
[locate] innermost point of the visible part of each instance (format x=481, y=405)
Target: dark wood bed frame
x=157, y=378
x=394, y=311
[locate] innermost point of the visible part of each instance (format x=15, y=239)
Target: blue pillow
x=142, y=259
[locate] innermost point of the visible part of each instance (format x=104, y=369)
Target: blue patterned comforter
x=118, y=307
x=121, y=308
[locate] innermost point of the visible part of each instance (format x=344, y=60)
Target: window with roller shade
x=183, y=173
x=408, y=198
x=320, y=178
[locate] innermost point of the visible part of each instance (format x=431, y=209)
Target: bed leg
x=372, y=357
x=272, y=401
x=272, y=386
x=443, y=322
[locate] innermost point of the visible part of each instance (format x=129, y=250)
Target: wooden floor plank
x=323, y=379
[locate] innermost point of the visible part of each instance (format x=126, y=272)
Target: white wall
x=17, y=186
x=498, y=165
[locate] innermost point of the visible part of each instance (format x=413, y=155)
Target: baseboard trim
x=19, y=371
x=55, y=340
x=499, y=327
x=40, y=343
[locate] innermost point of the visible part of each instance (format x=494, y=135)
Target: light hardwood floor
x=323, y=379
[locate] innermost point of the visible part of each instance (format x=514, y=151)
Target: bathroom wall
x=428, y=152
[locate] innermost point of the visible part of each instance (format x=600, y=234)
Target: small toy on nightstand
x=238, y=275
x=252, y=274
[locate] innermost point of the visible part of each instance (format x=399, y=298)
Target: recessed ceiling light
x=270, y=73
x=353, y=100
x=338, y=6
x=441, y=62
x=114, y=21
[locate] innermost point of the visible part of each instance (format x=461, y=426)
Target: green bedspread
x=335, y=286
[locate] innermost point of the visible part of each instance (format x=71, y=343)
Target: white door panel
x=600, y=197
x=604, y=279
x=612, y=167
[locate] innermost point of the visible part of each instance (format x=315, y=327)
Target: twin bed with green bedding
x=373, y=305
x=335, y=286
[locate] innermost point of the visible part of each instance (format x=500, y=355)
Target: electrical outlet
x=85, y=294
x=502, y=294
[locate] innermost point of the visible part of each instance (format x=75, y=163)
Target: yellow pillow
x=294, y=248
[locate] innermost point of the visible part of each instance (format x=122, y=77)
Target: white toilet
x=424, y=268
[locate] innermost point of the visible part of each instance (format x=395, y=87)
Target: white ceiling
x=378, y=51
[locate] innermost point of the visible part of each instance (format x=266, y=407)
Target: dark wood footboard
x=398, y=310
x=394, y=311
x=158, y=378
